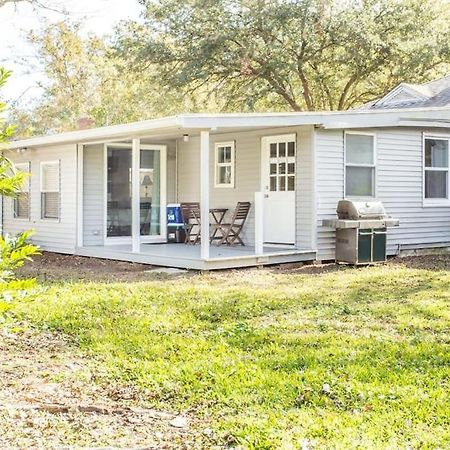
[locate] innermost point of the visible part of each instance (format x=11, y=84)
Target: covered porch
x=189, y=256
x=124, y=216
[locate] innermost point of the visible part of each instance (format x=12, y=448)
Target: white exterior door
x=119, y=197
x=278, y=186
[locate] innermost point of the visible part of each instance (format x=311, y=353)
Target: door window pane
x=282, y=149
x=436, y=153
x=291, y=168
x=291, y=184
x=282, y=181
x=359, y=181
x=273, y=150
x=291, y=149
x=282, y=168
x=273, y=184
x=273, y=169
x=359, y=149
x=436, y=183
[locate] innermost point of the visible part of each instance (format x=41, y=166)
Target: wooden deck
x=188, y=256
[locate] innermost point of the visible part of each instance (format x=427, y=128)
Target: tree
x=87, y=79
x=14, y=250
x=292, y=54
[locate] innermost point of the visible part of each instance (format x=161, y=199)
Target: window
x=21, y=203
x=436, y=167
x=282, y=166
x=224, y=173
x=50, y=190
x=359, y=165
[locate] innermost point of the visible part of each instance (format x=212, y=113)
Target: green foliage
x=14, y=251
x=352, y=359
x=292, y=54
x=88, y=80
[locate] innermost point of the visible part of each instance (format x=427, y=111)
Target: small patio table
x=218, y=214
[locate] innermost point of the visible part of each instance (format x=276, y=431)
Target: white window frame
x=372, y=166
x=27, y=169
x=231, y=164
x=431, y=202
x=42, y=191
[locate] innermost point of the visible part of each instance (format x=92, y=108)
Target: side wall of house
x=53, y=235
x=94, y=185
x=248, y=177
x=399, y=185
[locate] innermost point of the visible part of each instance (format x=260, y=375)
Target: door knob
x=266, y=195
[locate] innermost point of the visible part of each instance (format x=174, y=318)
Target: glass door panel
x=150, y=192
x=118, y=208
x=119, y=192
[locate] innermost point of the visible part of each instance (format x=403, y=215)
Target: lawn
x=349, y=358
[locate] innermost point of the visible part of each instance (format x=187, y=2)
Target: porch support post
x=204, y=194
x=135, y=196
x=259, y=223
x=80, y=201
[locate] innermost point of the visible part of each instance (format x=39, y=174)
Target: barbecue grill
x=361, y=231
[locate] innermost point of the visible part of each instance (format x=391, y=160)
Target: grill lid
x=358, y=210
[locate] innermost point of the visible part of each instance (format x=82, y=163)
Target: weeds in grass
x=356, y=358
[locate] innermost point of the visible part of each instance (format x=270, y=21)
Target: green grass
x=356, y=358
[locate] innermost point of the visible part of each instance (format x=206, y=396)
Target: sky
x=98, y=16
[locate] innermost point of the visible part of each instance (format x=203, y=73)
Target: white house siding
x=93, y=190
x=399, y=187
x=52, y=235
x=329, y=147
x=305, y=192
x=248, y=176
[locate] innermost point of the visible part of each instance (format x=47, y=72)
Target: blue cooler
x=175, y=225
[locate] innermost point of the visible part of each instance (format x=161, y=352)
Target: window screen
x=21, y=203
x=436, y=168
x=359, y=165
x=50, y=190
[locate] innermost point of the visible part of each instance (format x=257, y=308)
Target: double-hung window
x=436, y=168
x=224, y=164
x=50, y=189
x=21, y=202
x=360, y=165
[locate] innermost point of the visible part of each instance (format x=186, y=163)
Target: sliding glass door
x=119, y=193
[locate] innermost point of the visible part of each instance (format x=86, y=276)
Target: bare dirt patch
x=56, y=266
x=48, y=399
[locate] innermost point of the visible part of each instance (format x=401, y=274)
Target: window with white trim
x=50, y=189
x=436, y=168
x=359, y=165
x=21, y=203
x=224, y=164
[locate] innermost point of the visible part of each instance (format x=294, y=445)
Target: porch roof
x=175, y=126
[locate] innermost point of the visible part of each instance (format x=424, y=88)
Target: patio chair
x=231, y=231
x=190, y=213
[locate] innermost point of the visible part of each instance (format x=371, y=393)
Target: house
x=88, y=188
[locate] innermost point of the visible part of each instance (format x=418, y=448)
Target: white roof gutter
x=329, y=119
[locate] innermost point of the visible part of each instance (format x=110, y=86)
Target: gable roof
x=405, y=95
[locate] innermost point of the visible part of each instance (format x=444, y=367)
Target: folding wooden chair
x=231, y=231
x=190, y=213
